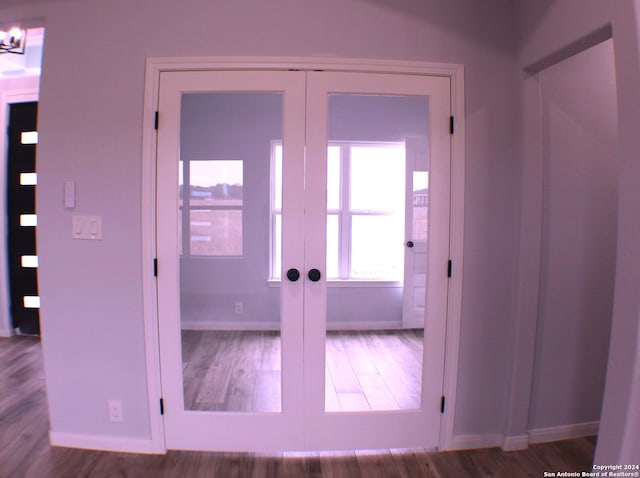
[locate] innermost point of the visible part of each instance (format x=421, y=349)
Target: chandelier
x=12, y=41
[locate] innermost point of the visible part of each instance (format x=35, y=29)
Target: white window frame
x=344, y=212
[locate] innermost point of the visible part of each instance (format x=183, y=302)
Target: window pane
x=276, y=273
x=29, y=261
x=333, y=177
x=216, y=183
x=216, y=232
x=333, y=230
x=277, y=177
x=28, y=220
x=28, y=179
x=377, y=178
x=377, y=249
x=420, y=206
x=29, y=137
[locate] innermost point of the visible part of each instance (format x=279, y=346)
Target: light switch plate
x=86, y=227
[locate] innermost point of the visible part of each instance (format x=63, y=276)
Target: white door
x=382, y=384
x=281, y=243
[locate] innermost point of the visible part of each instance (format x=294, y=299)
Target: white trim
x=149, y=290
x=245, y=325
x=517, y=442
x=472, y=442
x=456, y=231
x=521, y=442
x=453, y=71
x=101, y=442
x=7, y=97
x=564, y=432
x=301, y=63
x=6, y=332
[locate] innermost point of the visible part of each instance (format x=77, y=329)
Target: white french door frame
x=155, y=66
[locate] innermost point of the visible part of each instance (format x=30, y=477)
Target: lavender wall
x=91, y=123
x=579, y=222
x=546, y=28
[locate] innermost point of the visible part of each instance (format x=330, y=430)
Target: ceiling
x=12, y=65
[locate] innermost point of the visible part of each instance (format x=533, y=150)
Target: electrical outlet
x=115, y=411
x=239, y=308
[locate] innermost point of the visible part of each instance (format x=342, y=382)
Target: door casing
x=454, y=72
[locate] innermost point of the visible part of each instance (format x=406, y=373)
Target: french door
x=294, y=312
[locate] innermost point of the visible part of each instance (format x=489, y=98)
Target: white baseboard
x=521, y=442
x=6, y=333
x=564, y=432
x=101, y=442
x=517, y=442
x=469, y=442
x=239, y=325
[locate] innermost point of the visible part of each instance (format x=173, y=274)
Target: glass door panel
x=230, y=318
x=374, y=375
x=373, y=363
x=230, y=338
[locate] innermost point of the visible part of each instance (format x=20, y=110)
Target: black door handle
x=293, y=275
x=314, y=275
x=409, y=244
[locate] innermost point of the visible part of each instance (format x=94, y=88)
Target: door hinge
x=155, y=267
x=449, y=268
x=156, y=120
x=161, y=406
x=451, y=124
x=442, y=404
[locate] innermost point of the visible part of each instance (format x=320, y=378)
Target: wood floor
x=241, y=370
x=25, y=450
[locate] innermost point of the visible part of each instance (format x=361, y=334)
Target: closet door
x=230, y=330
x=377, y=183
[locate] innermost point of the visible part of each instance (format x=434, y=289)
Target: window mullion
x=345, y=216
x=186, y=208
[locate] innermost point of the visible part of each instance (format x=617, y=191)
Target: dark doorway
x=21, y=217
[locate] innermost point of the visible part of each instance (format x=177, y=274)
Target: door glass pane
x=230, y=317
x=374, y=343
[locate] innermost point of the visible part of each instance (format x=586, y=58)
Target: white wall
x=91, y=123
x=547, y=28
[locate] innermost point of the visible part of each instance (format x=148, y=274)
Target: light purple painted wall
x=580, y=191
x=545, y=28
x=91, y=124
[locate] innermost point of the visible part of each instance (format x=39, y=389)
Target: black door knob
x=314, y=275
x=409, y=244
x=293, y=275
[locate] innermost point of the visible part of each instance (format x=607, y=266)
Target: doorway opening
x=19, y=92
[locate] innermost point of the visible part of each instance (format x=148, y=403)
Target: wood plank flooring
x=25, y=451
x=241, y=370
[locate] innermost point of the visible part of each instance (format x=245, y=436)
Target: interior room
x=294, y=228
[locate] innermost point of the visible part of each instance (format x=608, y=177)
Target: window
x=365, y=211
x=211, y=208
